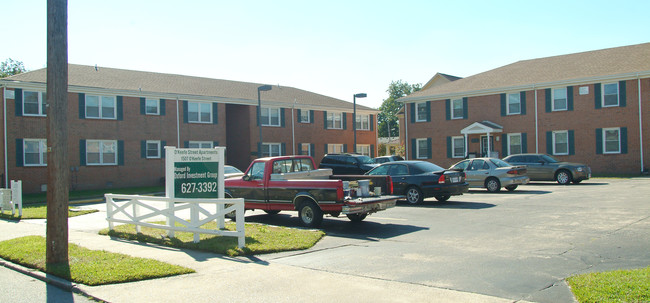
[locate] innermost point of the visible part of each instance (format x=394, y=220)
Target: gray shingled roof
x=132, y=82
x=575, y=68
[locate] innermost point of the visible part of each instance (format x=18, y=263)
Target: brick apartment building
x=591, y=107
x=120, y=120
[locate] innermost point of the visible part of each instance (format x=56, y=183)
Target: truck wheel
x=511, y=187
x=357, y=217
x=442, y=198
x=310, y=214
x=414, y=195
x=493, y=185
x=272, y=212
x=563, y=177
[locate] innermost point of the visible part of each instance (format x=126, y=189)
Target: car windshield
x=365, y=160
x=500, y=163
x=549, y=159
x=423, y=167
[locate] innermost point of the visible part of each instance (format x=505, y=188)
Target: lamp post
x=354, y=116
x=259, y=114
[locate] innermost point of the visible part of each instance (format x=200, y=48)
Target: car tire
x=493, y=185
x=442, y=198
x=511, y=187
x=414, y=195
x=272, y=212
x=563, y=177
x=357, y=217
x=310, y=215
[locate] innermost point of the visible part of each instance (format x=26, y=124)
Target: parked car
x=492, y=174
x=542, y=167
x=347, y=164
x=384, y=159
x=231, y=171
x=420, y=179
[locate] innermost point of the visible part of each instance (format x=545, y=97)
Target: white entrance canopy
x=483, y=127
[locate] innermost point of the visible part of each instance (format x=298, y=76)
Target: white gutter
x=4, y=97
x=638, y=79
x=293, y=133
x=178, y=127
x=536, y=123
x=406, y=132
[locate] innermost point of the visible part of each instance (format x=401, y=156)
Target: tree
x=387, y=118
x=11, y=67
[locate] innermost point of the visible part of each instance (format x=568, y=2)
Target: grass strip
x=39, y=211
x=260, y=238
x=89, y=267
x=613, y=286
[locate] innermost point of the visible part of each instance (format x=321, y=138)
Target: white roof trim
x=482, y=128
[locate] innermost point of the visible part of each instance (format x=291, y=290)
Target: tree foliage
x=11, y=67
x=387, y=118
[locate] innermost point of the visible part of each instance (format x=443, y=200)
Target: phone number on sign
x=201, y=187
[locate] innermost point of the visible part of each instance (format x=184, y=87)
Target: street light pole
x=354, y=117
x=259, y=115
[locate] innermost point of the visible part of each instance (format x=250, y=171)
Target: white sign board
x=194, y=172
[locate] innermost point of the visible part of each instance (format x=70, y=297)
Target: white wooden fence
x=133, y=209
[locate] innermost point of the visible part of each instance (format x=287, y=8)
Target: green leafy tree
x=387, y=118
x=11, y=67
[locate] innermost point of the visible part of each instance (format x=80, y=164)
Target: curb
x=49, y=279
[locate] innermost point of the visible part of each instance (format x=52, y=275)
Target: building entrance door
x=484, y=145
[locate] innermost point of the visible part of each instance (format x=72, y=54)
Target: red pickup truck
x=290, y=183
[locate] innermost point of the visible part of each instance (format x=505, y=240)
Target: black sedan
x=420, y=179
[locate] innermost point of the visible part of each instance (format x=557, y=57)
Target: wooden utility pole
x=57, y=132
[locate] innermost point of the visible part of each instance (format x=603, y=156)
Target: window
x=270, y=116
x=334, y=148
x=35, y=152
x=271, y=149
x=612, y=140
x=458, y=147
x=421, y=110
x=334, y=120
x=422, y=148
x=514, y=104
x=200, y=144
x=559, y=99
x=363, y=149
x=305, y=116
x=478, y=165
x=100, y=107
x=199, y=112
x=514, y=144
x=305, y=149
x=152, y=107
x=457, y=109
x=363, y=122
x=101, y=152
x=560, y=142
x=34, y=103
x=610, y=95
x=153, y=149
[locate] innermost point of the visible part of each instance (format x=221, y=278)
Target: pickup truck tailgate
x=369, y=204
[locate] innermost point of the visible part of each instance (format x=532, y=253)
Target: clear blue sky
x=334, y=48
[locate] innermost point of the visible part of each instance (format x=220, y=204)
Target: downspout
x=4, y=112
x=536, y=123
x=293, y=132
x=638, y=79
x=178, y=127
x=406, y=132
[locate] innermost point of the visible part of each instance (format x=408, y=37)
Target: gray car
x=492, y=174
x=542, y=167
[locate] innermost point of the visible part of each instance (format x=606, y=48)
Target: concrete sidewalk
x=224, y=279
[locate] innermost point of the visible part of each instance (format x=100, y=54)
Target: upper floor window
x=363, y=149
x=101, y=107
x=421, y=112
x=561, y=142
x=305, y=116
x=200, y=144
x=610, y=95
x=514, y=104
x=334, y=120
x=152, y=106
x=199, y=112
x=270, y=116
x=559, y=99
x=35, y=152
x=363, y=122
x=457, y=109
x=34, y=104
x=612, y=140
x=101, y=152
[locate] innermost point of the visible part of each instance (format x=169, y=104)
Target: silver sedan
x=492, y=174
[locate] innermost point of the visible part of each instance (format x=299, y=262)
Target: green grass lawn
x=39, y=211
x=89, y=267
x=613, y=286
x=260, y=238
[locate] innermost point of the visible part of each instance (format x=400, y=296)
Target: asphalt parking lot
x=519, y=245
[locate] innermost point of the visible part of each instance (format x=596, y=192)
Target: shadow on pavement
x=449, y=204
